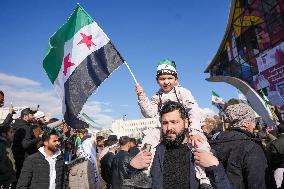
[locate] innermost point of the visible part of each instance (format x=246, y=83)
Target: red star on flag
x=87, y=40
x=67, y=63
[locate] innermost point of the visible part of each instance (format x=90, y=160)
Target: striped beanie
x=166, y=67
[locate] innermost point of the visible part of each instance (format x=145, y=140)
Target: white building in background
x=133, y=128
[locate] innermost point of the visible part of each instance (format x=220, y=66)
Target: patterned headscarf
x=239, y=115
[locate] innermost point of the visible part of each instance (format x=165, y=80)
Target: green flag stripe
x=215, y=94
x=167, y=62
x=55, y=52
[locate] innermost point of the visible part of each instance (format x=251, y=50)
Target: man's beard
x=53, y=148
x=177, y=141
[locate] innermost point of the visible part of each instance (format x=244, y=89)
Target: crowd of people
x=180, y=153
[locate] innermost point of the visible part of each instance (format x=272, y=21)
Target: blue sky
x=144, y=32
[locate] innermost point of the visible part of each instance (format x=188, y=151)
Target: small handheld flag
x=217, y=101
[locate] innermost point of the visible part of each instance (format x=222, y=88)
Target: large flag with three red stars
x=79, y=58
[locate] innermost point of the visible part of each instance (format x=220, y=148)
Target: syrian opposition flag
x=217, y=101
x=79, y=58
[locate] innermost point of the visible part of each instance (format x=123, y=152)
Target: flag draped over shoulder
x=79, y=58
x=217, y=101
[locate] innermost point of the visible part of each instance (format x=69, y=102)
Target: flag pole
x=131, y=73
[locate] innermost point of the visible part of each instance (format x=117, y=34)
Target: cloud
x=22, y=91
x=107, y=110
x=97, y=111
x=12, y=80
x=124, y=105
x=207, y=112
x=26, y=92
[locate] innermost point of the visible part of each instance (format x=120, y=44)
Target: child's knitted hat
x=166, y=67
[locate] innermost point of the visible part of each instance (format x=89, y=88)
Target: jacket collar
x=249, y=134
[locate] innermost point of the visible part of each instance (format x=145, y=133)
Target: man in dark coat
x=7, y=162
x=25, y=143
x=44, y=169
x=120, y=166
x=106, y=161
x=275, y=151
x=134, y=150
x=173, y=164
x=243, y=158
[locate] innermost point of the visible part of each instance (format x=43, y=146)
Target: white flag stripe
x=217, y=100
x=78, y=52
x=166, y=66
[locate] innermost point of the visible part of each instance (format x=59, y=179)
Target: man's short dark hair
x=133, y=140
x=109, y=142
x=1, y=93
x=123, y=140
x=48, y=132
x=171, y=106
x=4, y=128
x=100, y=138
x=27, y=111
x=52, y=120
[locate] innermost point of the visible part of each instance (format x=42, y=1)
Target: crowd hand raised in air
x=11, y=109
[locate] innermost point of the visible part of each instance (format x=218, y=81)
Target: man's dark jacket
x=7, y=171
x=275, y=152
x=243, y=159
x=8, y=120
x=121, y=169
x=106, y=167
x=133, y=151
x=35, y=172
x=216, y=174
x=24, y=143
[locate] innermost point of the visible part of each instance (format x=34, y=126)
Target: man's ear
x=128, y=144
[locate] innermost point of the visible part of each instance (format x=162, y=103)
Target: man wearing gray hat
x=243, y=158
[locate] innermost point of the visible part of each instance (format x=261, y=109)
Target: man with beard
x=173, y=164
x=25, y=142
x=44, y=169
x=40, y=119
